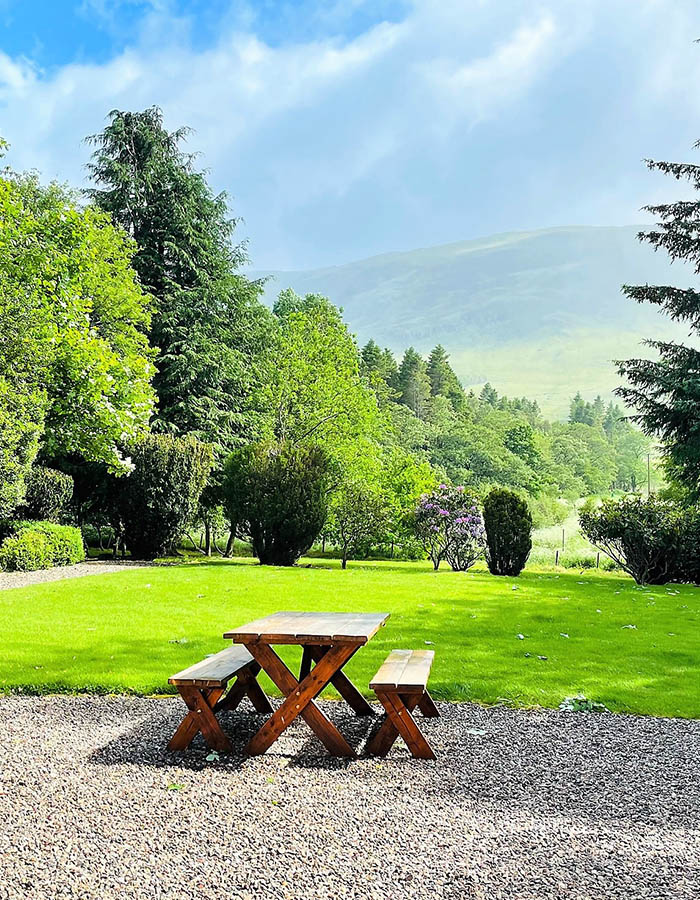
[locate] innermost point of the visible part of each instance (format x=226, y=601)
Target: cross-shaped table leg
x=300, y=696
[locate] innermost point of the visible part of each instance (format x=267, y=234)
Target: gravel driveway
x=519, y=804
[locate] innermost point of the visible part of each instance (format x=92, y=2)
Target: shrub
x=159, y=498
x=278, y=496
x=508, y=532
x=48, y=494
x=449, y=526
x=654, y=540
x=41, y=545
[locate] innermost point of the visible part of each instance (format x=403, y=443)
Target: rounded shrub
x=448, y=524
x=48, y=494
x=159, y=498
x=277, y=494
x=508, y=525
x=654, y=540
x=41, y=545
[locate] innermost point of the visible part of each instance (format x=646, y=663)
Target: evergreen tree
x=488, y=395
x=666, y=391
x=443, y=381
x=208, y=324
x=413, y=383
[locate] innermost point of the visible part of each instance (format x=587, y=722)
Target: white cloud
x=338, y=146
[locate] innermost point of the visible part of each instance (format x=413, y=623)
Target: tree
x=666, y=391
x=72, y=323
x=443, y=381
x=413, y=383
x=208, y=324
x=316, y=393
x=358, y=514
x=488, y=395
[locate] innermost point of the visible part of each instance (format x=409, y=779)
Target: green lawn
x=129, y=631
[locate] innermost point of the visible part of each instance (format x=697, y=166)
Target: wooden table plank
x=302, y=627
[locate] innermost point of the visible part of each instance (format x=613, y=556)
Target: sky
x=344, y=129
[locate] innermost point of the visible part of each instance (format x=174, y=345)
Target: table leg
x=300, y=698
x=343, y=685
x=306, y=659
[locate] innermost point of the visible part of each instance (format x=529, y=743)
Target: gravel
x=519, y=804
x=24, y=579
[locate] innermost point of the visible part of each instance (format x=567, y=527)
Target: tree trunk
x=207, y=537
x=228, y=552
x=344, y=562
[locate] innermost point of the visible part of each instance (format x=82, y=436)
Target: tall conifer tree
x=666, y=391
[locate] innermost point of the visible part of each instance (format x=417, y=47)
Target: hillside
x=538, y=312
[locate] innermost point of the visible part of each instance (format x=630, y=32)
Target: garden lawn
x=634, y=649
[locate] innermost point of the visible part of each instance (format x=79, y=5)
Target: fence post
x=556, y=558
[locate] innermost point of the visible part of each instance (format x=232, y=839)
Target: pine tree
x=666, y=391
x=488, y=395
x=413, y=383
x=443, y=381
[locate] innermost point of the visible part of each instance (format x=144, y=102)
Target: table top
x=310, y=628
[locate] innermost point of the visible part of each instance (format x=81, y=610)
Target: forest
x=144, y=382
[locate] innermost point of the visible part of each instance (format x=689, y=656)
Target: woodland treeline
x=126, y=317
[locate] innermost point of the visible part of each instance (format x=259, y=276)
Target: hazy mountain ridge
x=551, y=296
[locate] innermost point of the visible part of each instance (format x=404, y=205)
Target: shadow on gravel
x=146, y=743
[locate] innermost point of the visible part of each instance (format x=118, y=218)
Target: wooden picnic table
x=329, y=641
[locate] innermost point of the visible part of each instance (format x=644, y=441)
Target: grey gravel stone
x=58, y=573
x=519, y=804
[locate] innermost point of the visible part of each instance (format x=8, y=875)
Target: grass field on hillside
x=130, y=630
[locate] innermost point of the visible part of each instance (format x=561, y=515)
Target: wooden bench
x=202, y=687
x=400, y=686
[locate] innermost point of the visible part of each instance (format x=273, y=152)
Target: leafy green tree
x=316, y=393
x=666, y=391
x=358, y=515
x=72, y=323
x=208, y=323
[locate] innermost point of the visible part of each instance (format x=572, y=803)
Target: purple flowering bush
x=449, y=526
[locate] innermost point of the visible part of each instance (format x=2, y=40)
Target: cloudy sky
x=349, y=128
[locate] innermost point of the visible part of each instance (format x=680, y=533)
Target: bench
x=203, y=686
x=400, y=686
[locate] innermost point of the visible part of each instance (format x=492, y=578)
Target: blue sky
x=344, y=129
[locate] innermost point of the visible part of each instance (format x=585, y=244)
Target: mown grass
x=126, y=632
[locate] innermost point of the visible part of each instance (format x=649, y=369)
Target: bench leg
x=246, y=683
x=426, y=705
x=200, y=717
x=399, y=721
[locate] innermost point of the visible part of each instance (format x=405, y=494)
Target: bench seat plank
x=216, y=670
x=404, y=670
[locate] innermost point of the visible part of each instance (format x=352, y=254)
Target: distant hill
x=537, y=313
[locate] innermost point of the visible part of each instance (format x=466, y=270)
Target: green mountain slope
x=538, y=313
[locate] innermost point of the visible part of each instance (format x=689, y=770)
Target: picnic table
x=328, y=641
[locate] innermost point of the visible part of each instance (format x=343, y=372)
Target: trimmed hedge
x=40, y=545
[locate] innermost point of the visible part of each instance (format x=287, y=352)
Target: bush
x=41, y=545
x=508, y=532
x=449, y=526
x=278, y=496
x=654, y=540
x=159, y=498
x=48, y=494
